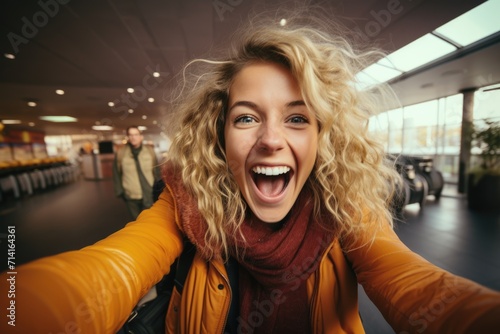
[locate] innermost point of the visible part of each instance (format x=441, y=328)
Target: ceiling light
x=32, y=104
x=130, y=90
x=131, y=111
x=11, y=121
x=111, y=104
x=142, y=128
x=282, y=22
x=102, y=127
x=31, y=123
x=9, y=56
x=156, y=74
x=59, y=92
x=144, y=116
x=451, y=73
x=151, y=99
x=58, y=119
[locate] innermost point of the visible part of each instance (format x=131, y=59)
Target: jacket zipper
x=230, y=298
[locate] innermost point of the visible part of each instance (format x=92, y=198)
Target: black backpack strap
x=232, y=269
x=149, y=317
x=183, y=265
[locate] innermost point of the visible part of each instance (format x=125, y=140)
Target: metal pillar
x=465, y=139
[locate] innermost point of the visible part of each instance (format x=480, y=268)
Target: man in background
x=135, y=170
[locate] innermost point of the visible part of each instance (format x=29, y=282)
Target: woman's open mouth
x=271, y=181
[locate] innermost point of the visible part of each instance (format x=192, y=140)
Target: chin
x=269, y=216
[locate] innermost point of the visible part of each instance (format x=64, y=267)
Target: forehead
x=263, y=78
x=133, y=131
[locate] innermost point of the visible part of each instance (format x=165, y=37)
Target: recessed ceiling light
x=156, y=74
x=9, y=56
x=111, y=104
x=131, y=111
x=151, y=99
x=155, y=122
x=59, y=92
x=130, y=90
x=11, y=121
x=102, y=127
x=32, y=104
x=142, y=128
x=58, y=119
x=451, y=73
x=282, y=22
x=31, y=123
x=144, y=116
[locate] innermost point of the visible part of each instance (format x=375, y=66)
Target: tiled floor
x=75, y=215
x=451, y=236
x=66, y=218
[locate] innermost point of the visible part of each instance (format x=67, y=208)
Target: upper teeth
x=271, y=170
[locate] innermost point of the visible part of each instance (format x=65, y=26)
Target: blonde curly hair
x=351, y=179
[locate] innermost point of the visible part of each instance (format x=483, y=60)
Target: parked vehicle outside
x=424, y=166
x=413, y=189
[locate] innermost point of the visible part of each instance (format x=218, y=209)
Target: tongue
x=270, y=185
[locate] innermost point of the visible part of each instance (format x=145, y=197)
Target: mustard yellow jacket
x=94, y=289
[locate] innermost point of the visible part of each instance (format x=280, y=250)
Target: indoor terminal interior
x=75, y=74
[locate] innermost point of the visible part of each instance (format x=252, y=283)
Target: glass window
x=487, y=103
x=375, y=74
x=420, y=128
x=422, y=114
x=395, y=133
x=431, y=128
x=474, y=25
x=450, y=133
x=379, y=126
x=58, y=145
x=453, y=109
x=417, y=52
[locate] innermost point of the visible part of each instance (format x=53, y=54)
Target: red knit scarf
x=275, y=266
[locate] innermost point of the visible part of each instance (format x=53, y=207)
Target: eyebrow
x=252, y=105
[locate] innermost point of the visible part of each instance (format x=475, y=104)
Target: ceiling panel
x=95, y=49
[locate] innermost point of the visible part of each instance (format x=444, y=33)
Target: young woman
x=273, y=177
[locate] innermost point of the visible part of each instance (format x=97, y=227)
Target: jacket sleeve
x=93, y=290
x=414, y=295
x=157, y=167
x=117, y=178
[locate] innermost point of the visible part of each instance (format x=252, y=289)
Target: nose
x=270, y=137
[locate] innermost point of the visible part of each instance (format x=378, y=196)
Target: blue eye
x=244, y=119
x=298, y=119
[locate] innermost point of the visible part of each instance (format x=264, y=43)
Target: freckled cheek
x=238, y=150
x=305, y=149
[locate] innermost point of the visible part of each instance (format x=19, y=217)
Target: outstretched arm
x=94, y=289
x=414, y=295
